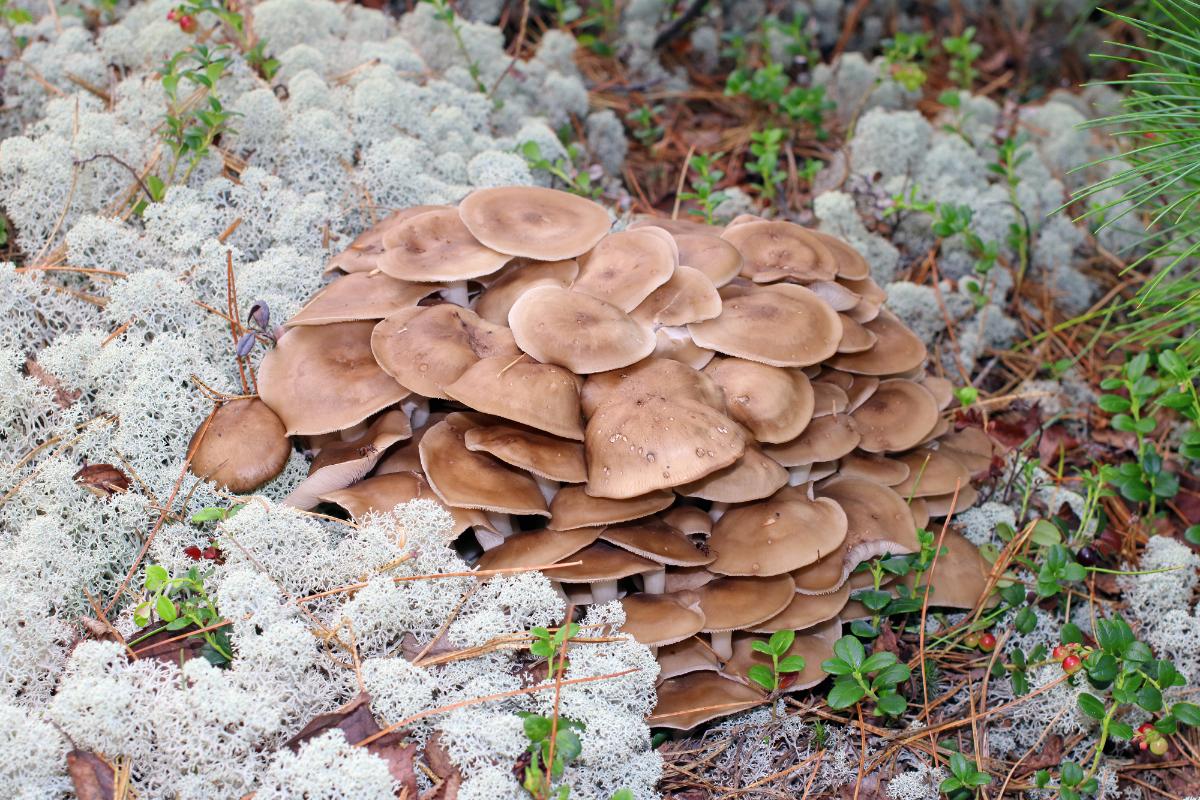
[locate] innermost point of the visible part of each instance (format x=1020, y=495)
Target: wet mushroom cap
x=436, y=246
x=466, y=479
x=573, y=508
x=775, y=249
x=241, y=447
x=754, y=476
x=661, y=619
x=577, y=331
x=363, y=295
x=541, y=396
x=657, y=541
x=776, y=404
x=535, y=548
x=776, y=536
x=697, y=697
x=625, y=267
x=896, y=417
x=324, y=378
x=792, y=329
x=534, y=222
x=544, y=455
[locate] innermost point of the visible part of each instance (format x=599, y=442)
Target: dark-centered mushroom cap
x=516, y=278
x=601, y=562
x=806, y=610
x=573, y=508
x=659, y=376
x=536, y=548
x=363, y=295
x=382, y=493
x=698, y=697
x=784, y=329
x=475, y=480
x=774, y=250
x=895, y=417
x=826, y=438
x=656, y=540
x=533, y=222
x=876, y=468
x=776, y=404
x=427, y=349
x=931, y=472
x=542, y=454
x=960, y=576
x=520, y=389
x=688, y=296
x=896, y=350
x=577, y=331
x=754, y=476
x=878, y=519
x=718, y=259
x=323, y=378
x=776, y=536
x=661, y=619
x=640, y=445
x=732, y=604
x=244, y=446
x=343, y=463
x=363, y=253
x=436, y=246
x=625, y=267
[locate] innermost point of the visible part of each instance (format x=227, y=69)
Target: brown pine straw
x=481, y=573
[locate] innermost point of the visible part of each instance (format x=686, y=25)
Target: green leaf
x=850, y=650
x=1120, y=730
x=1026, y=620
x=1071, y=634
x=891, y=676
x=844, y=694
x=791, y=664
x=1113, y=403
x=835, y=666
x=762, y=676
x=1091, y=705
x=891, y=704
x=1045, y=533
x=1170, y=361
x=760, y=646
x=156, y=576
x=1071, y=774
x=1135, y=369
x=781, y=641
x=567, y=745
x=877, y=661
x=209, y=514
x=536, y=727
x=1187, y=713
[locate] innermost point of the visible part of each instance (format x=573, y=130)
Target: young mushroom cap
x=656, y=540
x=635, y=446
x=719, y=260
x=689, y=655
x=324, y=378
x=363, y=253
x=534, y=222
x=875, y=468
x=573, y=508
x=784, y=329
x=776, y=536
x=774, y=250
x=661, y=619
x=539, y=453
x=896, y=350
x=577, y=331
x=688, y=296
x=344, y=463
x=754, y=476
x=733, y=604
x=776, y=404
x=516, y=278
x=536, y=548
x=427, y=349
x=625, y=267
x=931, y=472
x=878, y=519
x=244, y=445
x=804, y=611
x=541, y=396
x=363, y=295
x=467, y=479
x=826, y=438
x=382, y=493
x=698, y=697
x=896, y=417
x=436, y=246
x=660, y=376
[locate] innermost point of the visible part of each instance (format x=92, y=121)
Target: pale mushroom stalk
x=456, y=293
x=488, y=539
x=718, y=510
x=722, y=644
x=654, y=582
x=417, y=409
x=353, y=432
x=604, y=592
x=799, y=475
x=549, y=488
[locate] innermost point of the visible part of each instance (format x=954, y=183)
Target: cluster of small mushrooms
x=713, y=425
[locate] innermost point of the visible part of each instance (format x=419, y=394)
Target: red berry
x=211, y=553
x=1144, y=727
x=192, y=552
x=1142, y=745
x=1071, y=664
x=987, y=642
x=187, y=23
x=172, y=15
x=1060, y=652
x=1158, y=746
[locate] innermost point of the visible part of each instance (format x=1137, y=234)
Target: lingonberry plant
x=575, y=180
x=770, y=678
x=645, y=125
x=195, y=119
x=179, y=602
x=704, y=185
x=859, y=676
x=765, y=147
x=965, y=779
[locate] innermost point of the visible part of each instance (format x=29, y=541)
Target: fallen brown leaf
x=102, y=480
x=91, y=775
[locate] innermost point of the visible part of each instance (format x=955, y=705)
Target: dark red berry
x=193, y=552
x=212, y=553
x=187, y=23
x=1071, y=664
x=987, y=642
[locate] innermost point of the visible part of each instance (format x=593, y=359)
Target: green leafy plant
x=859, y=676
x=1072, y=783
x=764, y=146
x=179, y=602
x=906, y=56
x=964, y=51
x=444, y=12
x=965, y=779
x=575, y=180
x=769, y=678
x=197, y=118
x=644, y=120
x=703, y=183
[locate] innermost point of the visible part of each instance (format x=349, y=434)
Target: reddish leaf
x=159, y=647
x=102, y=480
x=439, y=762
x=62, y=397
x=91, y=776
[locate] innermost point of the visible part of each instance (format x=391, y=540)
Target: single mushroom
x=775, y=250
x=577, y=331
x=549, y=459
x=436, y=247
x=959, y=577
x=324, y=378
x=855, y=336
x=660, y=376
x=362, y=295
x=896, y=349
x=719, y=260
x=876, y=468
x=826, y=574
x=573, y=508
x=826, y=438
x=776, y=536
x=941, y=389
x=382, y=493
x=878, y=520
x=625, y=267
x=776, y=404
x=734, y=604
x=971, y=446
x=931, y=472
x=804, y=611
x=240, y=447
x=363, y=253
x=688, y=296
x=342, y=464
x=698, y=697
x=427, y=349
x=690, y=655
x=533, y=222
x=656, y=540
x=661, y=619
x=943, y=505
x=689, y=520
x=537, y=548
x=516, y=278
x=601, y=566
x=850, y=263
x=541, y=396
x=792, y=328
x=897, y=416
x=829, y=398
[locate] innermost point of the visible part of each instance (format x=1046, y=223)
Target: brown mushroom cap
x=776, y=404
x=784, y=329
x=323, y=378
x=754, y=476
x=690, y=655
x=719, y=260
x=931, y=472
x=343, y=463
x=942, y=505
x=688, y=296
x=436, y=246
x=731, y=604
x=660, y=376
x=517, y=277
x=689, y=520
x=426, y=349
x=896, y=417
x=602, y=562
x=675, y=343
x=533, y=222
x=625, y=267
x=825, y=575
x=774, y=250
x=878, y=519
x=363, y=253
x=687, y=578
x=826, y=438
x=896, y=350
x=639, y=445
x=244, y=446
x=573, y=508
x=960, y=576
x=776, y=536
x=363, y=295
x=806, y=610
x=382, y=493
x=828, y=399
x=697, y=697
x=835, y=295
x=577, y=331
x=861, y=389
x=970, y=446
x=520, y=389
x=814, y=645
x=466, y=479
x=941, y=389
x=675, y=227
x=855, y=337
x=657, y=541
x=661, y=619
x=878, y=469
x=850, y=263
x=535, y=548
x=544, y=455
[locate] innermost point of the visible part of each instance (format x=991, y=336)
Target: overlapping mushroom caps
x=716, y=426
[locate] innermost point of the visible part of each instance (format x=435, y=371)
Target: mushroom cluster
x=714, y=425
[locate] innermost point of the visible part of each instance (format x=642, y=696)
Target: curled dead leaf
x=102, y=480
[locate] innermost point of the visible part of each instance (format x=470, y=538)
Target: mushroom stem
x=417, y=409
x=604, y=592
x=549, y=488
x=718, y=510
x=722, y=644
x=488, y=539
x=799, y=475
x=353, y=432
x=654, y=582
x=456, y=293
x=500, y=524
